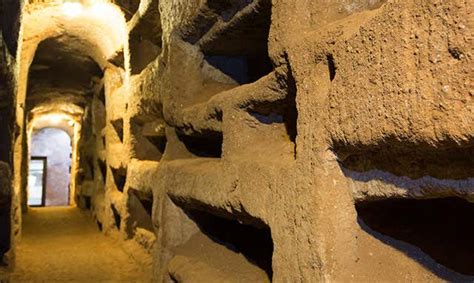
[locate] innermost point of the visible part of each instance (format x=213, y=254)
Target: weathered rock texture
x=266, y=140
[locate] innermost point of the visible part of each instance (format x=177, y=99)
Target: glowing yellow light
x=55, y=119
x=72, y=9
x=100, y=9
x=71, y=123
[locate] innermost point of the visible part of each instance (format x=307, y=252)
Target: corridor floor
x=64, y=245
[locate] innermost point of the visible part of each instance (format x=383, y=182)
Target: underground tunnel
x=236, y=141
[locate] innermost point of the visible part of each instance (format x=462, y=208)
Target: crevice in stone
x=331, y=66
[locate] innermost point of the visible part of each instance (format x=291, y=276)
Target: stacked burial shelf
x=242, y=99
x=416, y=198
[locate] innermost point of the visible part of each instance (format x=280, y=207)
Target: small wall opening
x=228, y=242
x=140, y=206
x=149, y=139
x=239, y=48
x=203, y=146
x=442, y=228
x=447, y=160
x=103, y=168
x=118, y=127
x=120, y=177
x=117, y=217
x=49, y=176
x=159, y=142
x=242, y=69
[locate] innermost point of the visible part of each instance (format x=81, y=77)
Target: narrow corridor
x=62, y=244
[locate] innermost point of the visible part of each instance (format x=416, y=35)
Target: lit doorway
x=49, y=168
x=37, y=181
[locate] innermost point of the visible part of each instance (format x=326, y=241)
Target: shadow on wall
x=434, y=232
x=5, y=205
x=55, y=145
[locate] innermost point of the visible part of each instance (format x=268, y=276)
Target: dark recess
x=242, y=69
x=118, y=127
x=254, y=243
x=331, y=66
x=5, y=225
x=120, y=177
x=449, y=160
x=159, y=142
x=117, y=218
x=140, y=207
x=103, y=168
x=87, y=202
x=203, y=146
x=442, y=228
x=99, y=225
x=241, y=50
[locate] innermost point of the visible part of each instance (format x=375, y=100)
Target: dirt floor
x=63, y=244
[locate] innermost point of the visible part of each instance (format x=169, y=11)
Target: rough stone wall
x=363, y=102
x=287, y=123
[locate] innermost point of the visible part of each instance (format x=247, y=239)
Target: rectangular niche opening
x=117, y=217
x=203, y=146
x=87, y=202
x=442, y=228
x=159, y=142
x=118, y=127
x=447, y=160
x=242, y=249
x=238, y=47
x=149, y=136
x=103, y=168
x=140, y=208
x=282, y=112
x=120, y=177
